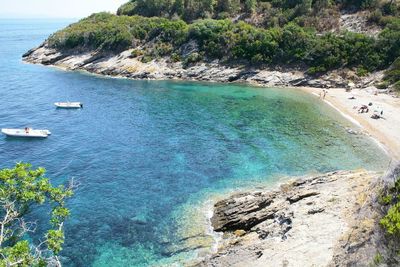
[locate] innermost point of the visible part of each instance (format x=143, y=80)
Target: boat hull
x=22, y=133
x=69, y=105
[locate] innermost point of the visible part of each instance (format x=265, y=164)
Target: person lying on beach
x=378, y=113
x=376, y=116
x=363, y=109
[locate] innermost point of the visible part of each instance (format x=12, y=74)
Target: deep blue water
x=146, y=153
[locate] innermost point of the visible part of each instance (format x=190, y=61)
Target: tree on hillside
x=228, y=6
x=22, y=190
x=304, y=7
x=250, y=6
x=179, y=7
x=208, y=7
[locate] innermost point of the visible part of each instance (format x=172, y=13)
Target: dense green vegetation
x=23, y=189
x=115, y=33
x=229, y=41
x=289, y=33
x=391, y=221
x=322, y=14
x=392, y=75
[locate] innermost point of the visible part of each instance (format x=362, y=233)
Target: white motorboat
x=68, y=105
x=27, y=132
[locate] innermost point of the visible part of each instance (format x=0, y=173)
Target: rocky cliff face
x=358, y=22
x=326, y=220
x=123, y=65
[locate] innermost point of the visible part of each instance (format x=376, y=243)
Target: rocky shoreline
x=324, y=220
x=123, y=65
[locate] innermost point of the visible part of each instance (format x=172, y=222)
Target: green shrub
x=361, y=72
x=175, y=57
x=391, y=8
x=396, y=86
x=136, y=53
x=316, y=70
x=375, y=16
x=192, y=58
x=162, y=49
x=392, y=75
x=146, y=59
x=382, y=85
x=128, y=9
x=223, y=15
x=391, y=221
x=378, y=259
x=389, y=41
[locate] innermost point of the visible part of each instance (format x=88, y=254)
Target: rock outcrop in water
x=326, y=220
x=123, y=65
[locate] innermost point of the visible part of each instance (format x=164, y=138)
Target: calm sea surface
x=148, y=153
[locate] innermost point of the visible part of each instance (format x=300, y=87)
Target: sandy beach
x=386, y=130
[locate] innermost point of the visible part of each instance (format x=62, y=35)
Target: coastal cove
x=148, y=154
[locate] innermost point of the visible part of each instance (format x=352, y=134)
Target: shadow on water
x=25, y=139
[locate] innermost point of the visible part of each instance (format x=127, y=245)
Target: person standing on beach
x=324, y=94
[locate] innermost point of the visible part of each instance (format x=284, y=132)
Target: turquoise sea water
x=148, y=153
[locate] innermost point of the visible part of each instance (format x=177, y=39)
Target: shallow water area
x=148, y=154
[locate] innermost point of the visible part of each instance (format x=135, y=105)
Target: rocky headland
x=124, y=65
x=324, y=220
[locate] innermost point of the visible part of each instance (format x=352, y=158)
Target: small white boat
x=68, y=104
x=27, y=132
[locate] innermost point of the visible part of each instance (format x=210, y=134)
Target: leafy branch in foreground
x=22, y=189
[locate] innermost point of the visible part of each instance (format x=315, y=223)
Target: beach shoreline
x=384, y=131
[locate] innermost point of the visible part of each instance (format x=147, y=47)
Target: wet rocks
x=242, y=212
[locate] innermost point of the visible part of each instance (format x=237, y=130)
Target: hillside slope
x=248, y=36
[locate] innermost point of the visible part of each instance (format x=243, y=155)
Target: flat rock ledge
x=123, y=65
x=325, y=220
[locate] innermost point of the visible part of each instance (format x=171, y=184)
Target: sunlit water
x=148, y=153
